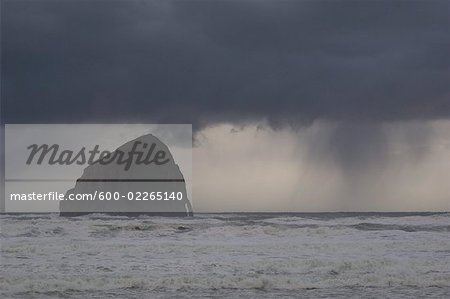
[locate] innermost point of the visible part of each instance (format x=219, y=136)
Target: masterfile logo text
x=115, y=163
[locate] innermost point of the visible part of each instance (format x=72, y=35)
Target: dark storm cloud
x=209, y=61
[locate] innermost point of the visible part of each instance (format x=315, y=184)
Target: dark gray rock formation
x=139, y=177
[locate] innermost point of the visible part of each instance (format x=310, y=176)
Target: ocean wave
x=95, y=254
x=407, y=228
x=266, y=282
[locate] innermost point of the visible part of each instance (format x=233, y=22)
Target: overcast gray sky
x=365, y=69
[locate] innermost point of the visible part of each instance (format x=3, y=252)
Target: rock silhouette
x=139, y=177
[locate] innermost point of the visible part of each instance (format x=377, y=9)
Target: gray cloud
x=203, y=62
x=314, y=170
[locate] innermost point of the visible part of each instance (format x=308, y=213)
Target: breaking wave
x=99, y=253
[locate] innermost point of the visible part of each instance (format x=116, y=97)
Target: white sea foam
x=210, y=252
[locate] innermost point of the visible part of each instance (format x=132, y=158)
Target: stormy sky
x=360, y=78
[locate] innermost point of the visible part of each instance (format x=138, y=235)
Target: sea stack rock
x=139, y=177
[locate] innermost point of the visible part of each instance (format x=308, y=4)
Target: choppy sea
x=323, y=255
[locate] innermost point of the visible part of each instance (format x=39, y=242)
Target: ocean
x=317, y=255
